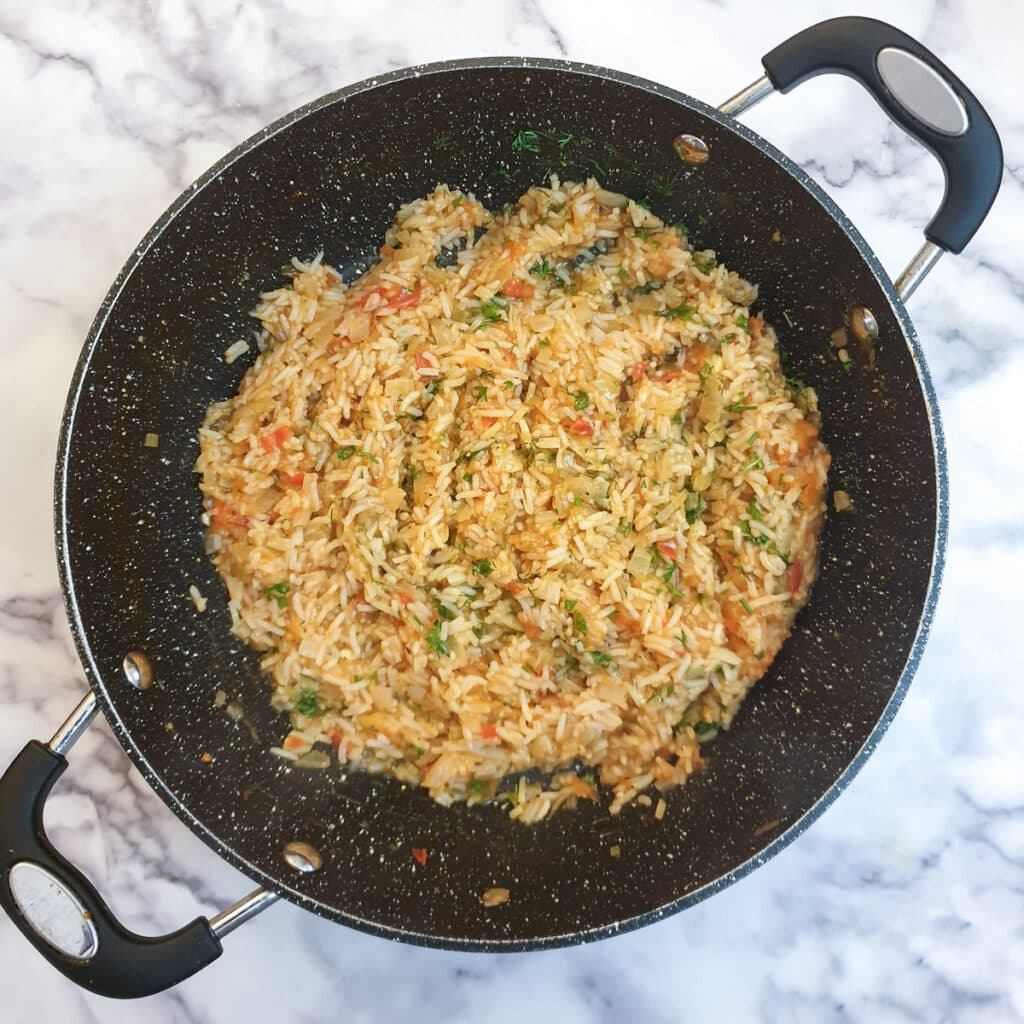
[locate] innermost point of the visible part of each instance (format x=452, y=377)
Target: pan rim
x=171, y=798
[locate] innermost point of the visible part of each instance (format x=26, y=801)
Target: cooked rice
x=476, y=535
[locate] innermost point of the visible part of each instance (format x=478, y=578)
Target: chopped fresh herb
x=480, y=391
x=681, y=228
x=483, y=567
x=417, y=620
x=434, y=386
x=581, y=401
x=847, y=365
x=755, y=462
x=436, y=642
x=701, y=597
x=569, y=605
x=544, y=343
x=279, y=593
x=418, y=751
x=656, y=560
x=757, y=539
x=625, y=528
x=590, y=778
x=478, y=632
x=467, y=478
x=478, y=786
x=738, y=406
x=646, y=289
x=705, y=266
x=491, y=311
x=445, y=612
x=745, y=606
x=308, y=703
x=798, y=387
x=693, y=514
x=678, y=419
x=788, y=318
x=703, y=728
x=526, y=142
x=349, y=450
x=680, y=312
x=642, y=233
x=613, y=614
x=754, y=511
x=602, y=659
x=743, y=321
x=577, y=502
x=681, y=637
x=750, y=440
x=579, y=623
x=541, y=269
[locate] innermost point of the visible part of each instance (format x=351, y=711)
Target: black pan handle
x=921, y=95
x=59, y=910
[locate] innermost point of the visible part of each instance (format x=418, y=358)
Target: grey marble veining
x=905, y=902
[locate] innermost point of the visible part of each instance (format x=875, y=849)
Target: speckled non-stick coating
x=130, y=542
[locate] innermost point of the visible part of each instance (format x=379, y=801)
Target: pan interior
x=132, y=544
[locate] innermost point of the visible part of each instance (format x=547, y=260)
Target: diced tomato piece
x=221, y=515
x=488, y=732
x=514, y=587
x=639, y=372
x=667, y=549
x=294, y=479
x=531, y=630
x=405, y=599
x=487, y=421
x=582, y=427
x=421, y=361
x=755, y=327
x=337, y=737
x=293, y=741
x=518, y=290
x=419, y=854
x=273, y=439
x=795, y=576
x=403, y=300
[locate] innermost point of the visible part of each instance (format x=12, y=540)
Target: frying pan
x=130, y=543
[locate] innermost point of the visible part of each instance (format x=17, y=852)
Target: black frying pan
x=130, y=542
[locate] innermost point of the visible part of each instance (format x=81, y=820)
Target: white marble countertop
x=905, y=902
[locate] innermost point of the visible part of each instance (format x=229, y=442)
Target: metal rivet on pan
x=863, y=324
x=302, y=857
x=137, y=670
x=691, y=149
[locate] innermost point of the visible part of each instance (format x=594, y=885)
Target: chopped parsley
x=624, y=528
x=418, y=751
x=738, y=406
x=436, y=642
x=579, y=623
x=743, y=321
x=483, y=567
x=681, y=312
x=646, y=289
x=705, y=266
x=480, y=391
x=308, y=703
x=478, y=632
x=745, y=606
x=478, y=786
x=602, y=659
x=544, y=343
x=757, y=539
x=681, y=637
x=279, y=593
x=526, y=142
x=541, y=269
x=347, y=451
x=492, y=311
x=703, y=728
x=681, y=228
x=569, y=605
x=581, y=401
x=755, y=462
x=445, y=612
x=798, y=387
x=434, y=386
x=754, y=511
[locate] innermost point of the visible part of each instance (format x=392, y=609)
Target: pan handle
x=59, y=910
x=922, y=96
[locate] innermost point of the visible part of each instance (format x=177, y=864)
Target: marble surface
x=905, y=902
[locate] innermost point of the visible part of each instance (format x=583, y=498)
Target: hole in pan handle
x=58, y=909
x=922, y=96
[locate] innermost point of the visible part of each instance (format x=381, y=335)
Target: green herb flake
x=544, y=343
x=788, y=318
x=743, y=321
x=681, y=312
x=579, y=623
x=480, y=391
x=436, y=642
x=483, y=567
x=703, y=728
x=745, y=606
x=738, y=406
x=279, y=593
x=445, y=612
x=705, y=266
x=541, y=269
x=308, y=703
x=602, y=659
x=478, y=632
x=581, y=401
x=345, y=453
x=681, y=228
x=754, y=511
x=478, y=786
x=798, y=387
x=624, y=528
x=418, y=751
x=526, y=141
x=755, y=462
x=434, y=386
x=569, y=605
x=681, y=637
